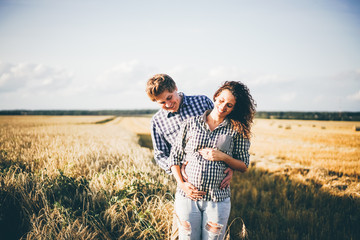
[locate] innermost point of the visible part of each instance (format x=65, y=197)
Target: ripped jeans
x=201, y=219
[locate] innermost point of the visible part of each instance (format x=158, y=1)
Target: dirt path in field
x=138, y=125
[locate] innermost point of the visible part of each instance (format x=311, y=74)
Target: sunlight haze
x=293, y=55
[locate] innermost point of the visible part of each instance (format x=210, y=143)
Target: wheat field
x=79, y=178
x=327, y=152
x=322, y=151
x=94, y=177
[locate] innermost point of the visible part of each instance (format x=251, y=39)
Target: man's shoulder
x=201, y=101
x=160, y=114
x=197, y=98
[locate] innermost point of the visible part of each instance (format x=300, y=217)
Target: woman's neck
x=213, y=120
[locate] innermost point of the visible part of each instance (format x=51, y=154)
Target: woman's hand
x=212, y=154
x=191, y=191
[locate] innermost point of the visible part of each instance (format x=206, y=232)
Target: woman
x=210, y=143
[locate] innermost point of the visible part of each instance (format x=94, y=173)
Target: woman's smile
x=225, y=102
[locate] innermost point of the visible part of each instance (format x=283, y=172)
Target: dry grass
x=88, y=178
x=322, y=151
x=75, y=178
x=325, y=151
x=331, y=145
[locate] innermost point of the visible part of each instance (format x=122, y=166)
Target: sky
x=91, y=54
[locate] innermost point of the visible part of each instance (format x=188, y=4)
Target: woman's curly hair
x=245, y=107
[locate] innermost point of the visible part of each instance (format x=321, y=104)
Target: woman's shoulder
x=235, y=130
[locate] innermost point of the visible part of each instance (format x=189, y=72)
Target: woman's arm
x=191, y=191
x=216, y=155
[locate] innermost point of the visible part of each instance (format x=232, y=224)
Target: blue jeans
x=201, y=219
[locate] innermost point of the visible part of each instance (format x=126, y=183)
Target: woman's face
x=224, y=103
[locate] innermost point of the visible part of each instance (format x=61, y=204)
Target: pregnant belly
x=205, y=174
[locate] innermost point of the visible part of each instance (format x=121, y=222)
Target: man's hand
x=226, y=181
x=191, y=191
x=183, y=173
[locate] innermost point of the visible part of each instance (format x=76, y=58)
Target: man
x=165, y=124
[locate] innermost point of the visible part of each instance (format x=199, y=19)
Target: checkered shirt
x=166, y=125
x=207, y=175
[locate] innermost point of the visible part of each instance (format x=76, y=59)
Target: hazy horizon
x=91, y=55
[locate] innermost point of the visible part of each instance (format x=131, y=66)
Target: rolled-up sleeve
x=177, y=153
x=161, y=147
x=241, y=149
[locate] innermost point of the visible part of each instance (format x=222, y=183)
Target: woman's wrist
x=177, y=174
x=180, y=182
x=226, y=158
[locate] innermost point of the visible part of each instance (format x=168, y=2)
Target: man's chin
x=172, y=110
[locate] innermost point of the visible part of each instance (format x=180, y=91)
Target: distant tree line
x=79, y=112
x=332, y=116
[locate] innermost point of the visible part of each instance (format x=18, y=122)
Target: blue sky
x=293, y=55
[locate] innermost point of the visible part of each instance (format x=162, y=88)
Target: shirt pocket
x=224, y=143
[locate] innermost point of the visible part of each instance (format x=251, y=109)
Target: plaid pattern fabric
x=207, y=175
x=166, y=125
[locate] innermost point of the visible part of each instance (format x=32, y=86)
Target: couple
x=201, y=143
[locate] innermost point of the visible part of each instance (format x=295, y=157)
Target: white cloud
x=190, y=80
x=124, y=77
x=252, y=79
x=266, y=79
x=355, y=96
x=287, y=97
x=227, y=73
x=123, y=87
x=348, y=76
x=32, y=77
x=319, y=98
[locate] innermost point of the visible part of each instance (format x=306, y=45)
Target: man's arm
x=161, y=148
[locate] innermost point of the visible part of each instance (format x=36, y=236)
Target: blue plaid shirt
x=166, y=125
x=206, y=175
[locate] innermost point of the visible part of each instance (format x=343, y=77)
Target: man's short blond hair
x=158, y=84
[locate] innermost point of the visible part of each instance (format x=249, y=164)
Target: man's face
x=169, y=101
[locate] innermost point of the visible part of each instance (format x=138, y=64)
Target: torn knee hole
x=186, y=225
x=213, y=227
